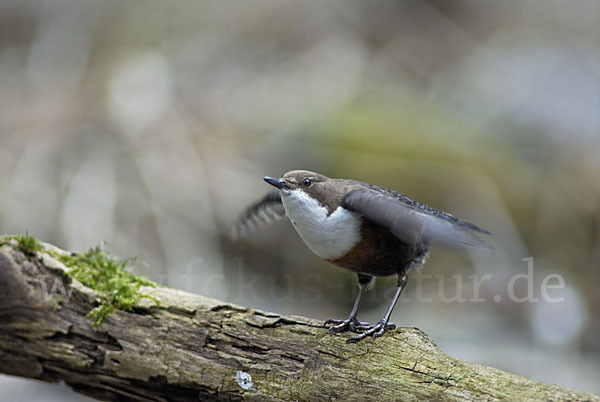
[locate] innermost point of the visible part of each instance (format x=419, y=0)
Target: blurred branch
x=180, y=346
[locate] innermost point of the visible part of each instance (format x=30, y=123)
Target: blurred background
x=148, y=127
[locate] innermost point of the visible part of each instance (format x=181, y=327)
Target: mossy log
x=181, y=346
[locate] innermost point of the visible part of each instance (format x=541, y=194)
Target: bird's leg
x=383, y=324
x=352, y=323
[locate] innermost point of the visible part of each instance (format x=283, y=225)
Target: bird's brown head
x=329, y=192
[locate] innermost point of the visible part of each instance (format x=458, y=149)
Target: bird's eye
x=307, y=182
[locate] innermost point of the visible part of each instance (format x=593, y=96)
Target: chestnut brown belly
x=380, y=253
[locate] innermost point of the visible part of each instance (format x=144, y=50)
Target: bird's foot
x=373, y=330
x=350, y=324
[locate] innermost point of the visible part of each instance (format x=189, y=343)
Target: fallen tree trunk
x=180, y=346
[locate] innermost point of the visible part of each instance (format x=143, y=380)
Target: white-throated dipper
x=367, y=229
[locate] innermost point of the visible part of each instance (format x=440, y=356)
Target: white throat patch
x=329, y=237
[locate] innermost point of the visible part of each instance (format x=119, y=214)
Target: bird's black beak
x=279, y=183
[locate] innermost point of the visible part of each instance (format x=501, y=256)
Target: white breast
x=328, y=236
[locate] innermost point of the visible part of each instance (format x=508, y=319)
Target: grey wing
x=414, y=222
x=262, y=212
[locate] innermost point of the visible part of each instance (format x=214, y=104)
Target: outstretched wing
x=262, y=212
x=413, y=222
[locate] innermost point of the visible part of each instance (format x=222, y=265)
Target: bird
x=367, y=229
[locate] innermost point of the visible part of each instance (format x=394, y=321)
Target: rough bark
x=193, y=348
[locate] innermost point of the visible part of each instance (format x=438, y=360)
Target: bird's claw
x=373, y=330
x=349, y=324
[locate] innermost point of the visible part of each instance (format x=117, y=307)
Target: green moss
x=118, y=289
x=26, y=243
